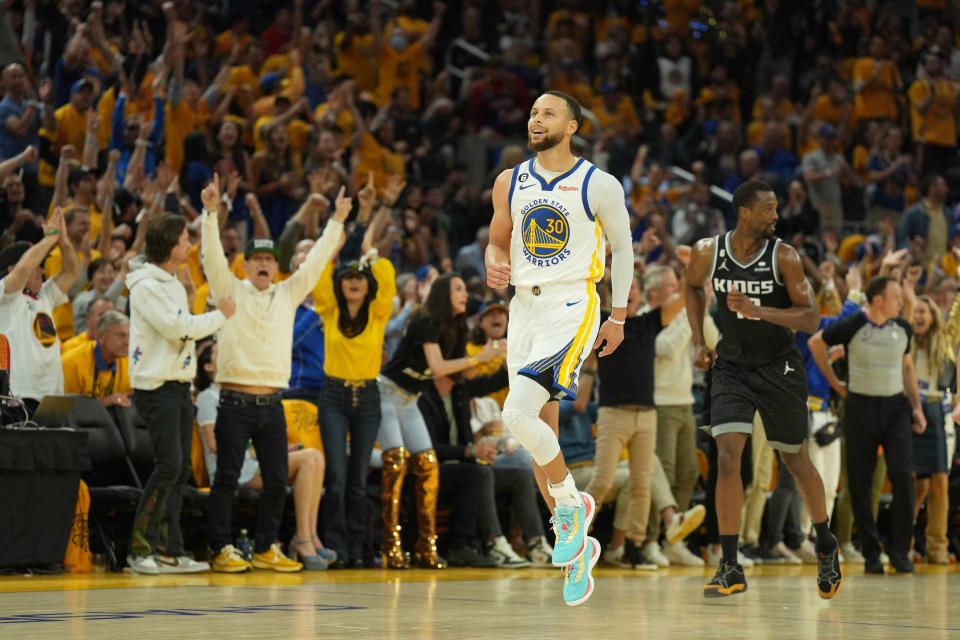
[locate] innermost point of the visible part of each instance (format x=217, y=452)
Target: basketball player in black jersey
x=762, y=297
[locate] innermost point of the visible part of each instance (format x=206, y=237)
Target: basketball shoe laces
x=721, y=576
x=826, y=571
x=563, y=525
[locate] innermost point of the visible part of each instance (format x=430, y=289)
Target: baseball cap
x=260, y=245
x=79, y=173
x=345, y=268
x=422, y=273
x=492, y=306
x=81, y=84
x=269, y=81
x=11, y=255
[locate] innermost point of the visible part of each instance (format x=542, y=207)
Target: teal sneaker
x=578, y=577
x=570, y=524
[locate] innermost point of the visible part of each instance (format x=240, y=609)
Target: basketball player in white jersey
x=550, y=215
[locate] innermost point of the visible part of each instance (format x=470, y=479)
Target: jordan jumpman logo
x=787, y=368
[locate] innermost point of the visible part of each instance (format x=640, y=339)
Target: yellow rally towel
x=78, y=558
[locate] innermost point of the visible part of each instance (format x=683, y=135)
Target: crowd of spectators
x=118, y=113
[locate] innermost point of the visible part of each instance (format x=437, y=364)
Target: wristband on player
x=615, y=321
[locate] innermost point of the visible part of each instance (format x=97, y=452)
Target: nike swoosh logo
x=527, y=187
x=570, y=304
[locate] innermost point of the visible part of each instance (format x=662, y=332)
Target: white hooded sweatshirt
x=162, y=329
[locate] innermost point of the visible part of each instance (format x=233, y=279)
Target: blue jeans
x=343, y=410
x=168, y=413
x=401, y=423
x=240, y=420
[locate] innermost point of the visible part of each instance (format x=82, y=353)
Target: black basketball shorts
x=777, y=390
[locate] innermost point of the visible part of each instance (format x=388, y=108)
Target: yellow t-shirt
x=876, y=101
x=825, y=110
x=937, y=125
x=488, y=368
x=200, y=301
x=243, y=76
x=358, y=60
x=178, y=124
x=360, y=357
x=623, y=118
x=380, y=160
x=401, y=69
x=80, y=374
x=71, y=129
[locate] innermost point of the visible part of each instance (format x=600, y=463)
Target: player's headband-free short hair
x=576, y=112
x=746, y=194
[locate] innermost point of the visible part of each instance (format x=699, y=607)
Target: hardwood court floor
x=463, y=604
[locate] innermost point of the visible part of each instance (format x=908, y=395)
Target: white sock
x=565, y=494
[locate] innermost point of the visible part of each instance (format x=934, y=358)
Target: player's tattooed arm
x=804, y=315
x=497, y=255
x=698, y=271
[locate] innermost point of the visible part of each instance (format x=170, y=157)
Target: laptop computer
x=53, y=411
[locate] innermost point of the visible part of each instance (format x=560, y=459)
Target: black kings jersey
x=745, y=341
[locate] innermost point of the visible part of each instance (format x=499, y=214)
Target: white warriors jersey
x=556, y=238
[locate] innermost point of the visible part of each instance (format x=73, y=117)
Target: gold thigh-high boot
x=394, y=469
x=937, y=511
x=425, y=466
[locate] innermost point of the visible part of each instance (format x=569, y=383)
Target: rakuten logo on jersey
x=751, y=288
x=564, y=187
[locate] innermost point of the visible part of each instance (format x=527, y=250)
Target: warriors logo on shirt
x=44, y=329
x=546, y=232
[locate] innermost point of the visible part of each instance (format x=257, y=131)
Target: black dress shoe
x=901, y=563
x=467, y=556
x=873, y=565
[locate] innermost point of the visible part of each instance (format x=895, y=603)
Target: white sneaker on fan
x=651, y=551
x=680, y=554
x=180, y=564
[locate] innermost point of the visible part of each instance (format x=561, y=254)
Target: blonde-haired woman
x=935, y=359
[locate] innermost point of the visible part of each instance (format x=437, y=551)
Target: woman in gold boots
x=434, y=344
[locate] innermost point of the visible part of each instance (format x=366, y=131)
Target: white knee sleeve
x=521, y=415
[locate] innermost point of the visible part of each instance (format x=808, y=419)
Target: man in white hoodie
x=253, y=366
x=162, y=364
